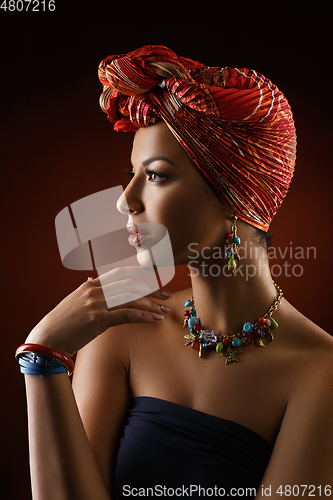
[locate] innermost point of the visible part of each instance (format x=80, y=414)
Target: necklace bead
x=248, y=327
x=193, y=321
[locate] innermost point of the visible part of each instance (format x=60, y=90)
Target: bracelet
x=33, y=364
x=40, y=359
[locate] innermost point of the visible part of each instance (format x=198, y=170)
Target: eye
x=154, y=176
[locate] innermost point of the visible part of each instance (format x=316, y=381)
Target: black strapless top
x=170, y=448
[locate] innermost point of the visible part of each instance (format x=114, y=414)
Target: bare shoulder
x=301, y=330
x=308, y=346
x=303, y=448
x=301, y=355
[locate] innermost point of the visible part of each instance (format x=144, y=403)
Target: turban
x=235, y=125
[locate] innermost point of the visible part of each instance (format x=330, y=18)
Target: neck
x=224, y=302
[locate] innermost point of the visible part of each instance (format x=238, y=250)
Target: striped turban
x=235, y=125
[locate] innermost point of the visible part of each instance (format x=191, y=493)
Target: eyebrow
x=147, y=162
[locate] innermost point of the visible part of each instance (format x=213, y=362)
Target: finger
x=126, y=272
x=119, y=274
x=124, y=297
x=137, y=288
x=135, y=301
x=124, y=316
x=161, y=294
x=124, y=293
x=143, y=304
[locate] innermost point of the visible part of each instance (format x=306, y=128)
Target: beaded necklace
x=251, y=333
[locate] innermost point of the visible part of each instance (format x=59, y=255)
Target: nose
x=122, y=206
x=129, y=202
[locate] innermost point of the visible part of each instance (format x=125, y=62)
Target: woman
x=251, y=422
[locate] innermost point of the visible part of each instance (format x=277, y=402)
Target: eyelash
x=149, y=173
x=129, y=172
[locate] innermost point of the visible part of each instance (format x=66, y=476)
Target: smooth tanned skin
x=283, y=392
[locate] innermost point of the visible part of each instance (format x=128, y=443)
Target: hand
x=84, y=314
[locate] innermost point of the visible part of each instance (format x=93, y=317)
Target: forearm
x=61, y=460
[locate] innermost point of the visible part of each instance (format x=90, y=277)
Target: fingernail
x=165, y=309
x=166, y=294
x=158, y=317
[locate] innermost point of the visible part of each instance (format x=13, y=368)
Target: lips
x=137, y=236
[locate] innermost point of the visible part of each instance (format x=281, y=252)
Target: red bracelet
x=48, y=352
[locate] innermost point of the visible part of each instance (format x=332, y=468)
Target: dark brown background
x=57, y=146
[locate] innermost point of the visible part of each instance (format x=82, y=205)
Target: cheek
x=189, y=214
x=165, y=204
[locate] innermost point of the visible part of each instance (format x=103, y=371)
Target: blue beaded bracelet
x=34, y=364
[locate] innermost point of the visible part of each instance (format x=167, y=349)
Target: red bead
x=225, y=341
x=197, y=328
x=237, y=256
x=196, y=344
x=255, y=334
x=262, y=321
x=186, y=313
x=228, y=236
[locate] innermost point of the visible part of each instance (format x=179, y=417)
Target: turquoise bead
x=237, y=240
x=188, y=303
x=193, y=312
x=248, y=327
x=192, y=322
x=236, y=342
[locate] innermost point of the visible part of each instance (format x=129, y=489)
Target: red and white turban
x=235, y=124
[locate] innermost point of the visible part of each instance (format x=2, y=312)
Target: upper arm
x=100, y=385
x=303, y=452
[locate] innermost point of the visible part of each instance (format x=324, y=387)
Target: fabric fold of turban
x=235, y=125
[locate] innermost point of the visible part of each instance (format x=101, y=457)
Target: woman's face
x=167, y=188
